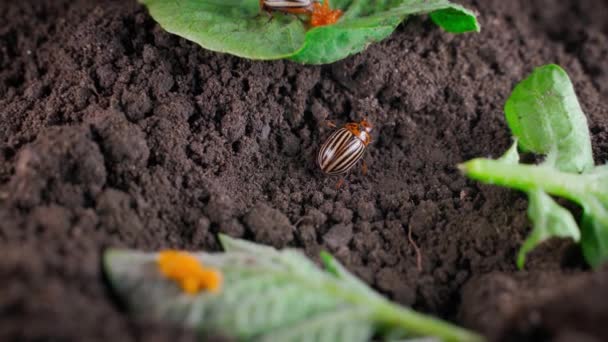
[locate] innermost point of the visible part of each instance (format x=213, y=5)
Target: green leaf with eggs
x=270, y=295
x=240, y=28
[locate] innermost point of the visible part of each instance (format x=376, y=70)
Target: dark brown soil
x=115, y=133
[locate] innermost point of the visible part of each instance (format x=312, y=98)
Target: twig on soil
x=418, y=254
x=300, y=220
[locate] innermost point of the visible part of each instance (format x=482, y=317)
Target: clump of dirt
x=116, y=133
x=574, y=311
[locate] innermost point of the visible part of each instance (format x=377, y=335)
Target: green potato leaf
x=326, y=44
x=545, y=117
x=589, y=190
x=549, y=220
x=240, y=28
x=544, y=114
x=511, y=156
x=269, y=295
x=455, y=19
x=594, y=238
x=594, y=224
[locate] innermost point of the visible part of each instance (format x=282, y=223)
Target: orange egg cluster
x=323, y=15
x=188, y=272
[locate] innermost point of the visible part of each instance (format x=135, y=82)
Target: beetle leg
x=330, y=124
x=270, y=16
x=340, y=183
x=296, y=11
x=363, y=167
x=266, y=10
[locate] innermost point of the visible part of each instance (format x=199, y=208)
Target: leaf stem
x=423, y=325
x=526, y=177
x=391, y=315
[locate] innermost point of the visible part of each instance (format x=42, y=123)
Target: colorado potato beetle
x=344, y=148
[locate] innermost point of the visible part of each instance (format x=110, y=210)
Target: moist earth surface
x=114, y=133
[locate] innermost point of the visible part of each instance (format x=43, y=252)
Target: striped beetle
x=287, y=6
x=344, y=148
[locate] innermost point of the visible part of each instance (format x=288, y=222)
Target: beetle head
x=366, y=126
